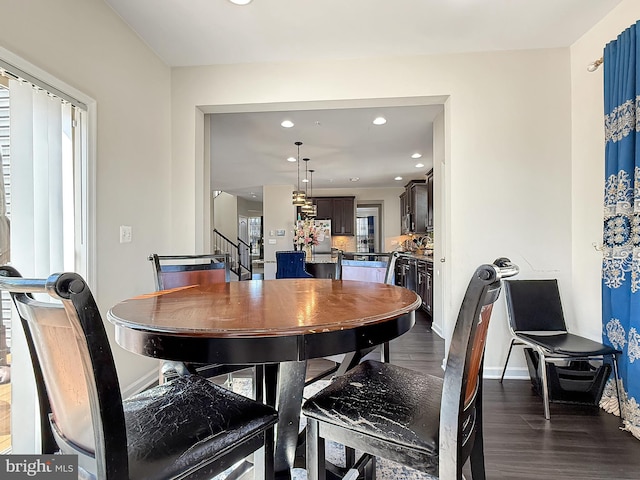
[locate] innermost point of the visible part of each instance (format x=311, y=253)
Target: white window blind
x=42, y=181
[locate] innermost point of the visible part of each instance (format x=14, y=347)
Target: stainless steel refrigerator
x=323, y=232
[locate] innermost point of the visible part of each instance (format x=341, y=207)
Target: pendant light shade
x=312, y=209
x=298, y=197
x=308, y=204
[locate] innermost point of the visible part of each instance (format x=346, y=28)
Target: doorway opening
x=368, y=227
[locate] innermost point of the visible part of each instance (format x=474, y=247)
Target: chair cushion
x=187, y=421
x=569, y=344
x=385, y=401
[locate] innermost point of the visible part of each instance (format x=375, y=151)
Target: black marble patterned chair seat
x=384, y=401
x=185, y=422
x=569, y=344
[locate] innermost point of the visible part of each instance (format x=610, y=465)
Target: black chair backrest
x=172, y=271
x=534, y=305
x=290, y=264
x=462, y=388
x=69, y=346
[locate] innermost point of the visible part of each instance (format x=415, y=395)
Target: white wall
x=587, y=138
x=225, y=215
x=83, y=43
x=249, y=208
x=279, y=214
x=509, y=135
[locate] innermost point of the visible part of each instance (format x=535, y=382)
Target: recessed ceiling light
x=419, y=165
x=398, y=178
x=354, y=179
x=305, y=180
x=240, y=2
x=379, y=121
x=291, y=159
x=416, y=155
x=287, y=124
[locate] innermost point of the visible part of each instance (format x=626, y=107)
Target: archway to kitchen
x=391, y=214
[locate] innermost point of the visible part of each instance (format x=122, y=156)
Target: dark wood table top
x=269, y=320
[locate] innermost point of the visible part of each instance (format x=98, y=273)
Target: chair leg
x=542, y=365
x=370, y=470
x=269, y=453
x=386, y=353
x=507, y=360
x=258, y=383
x=315, y=452
x=616, y=378
x=349, y=456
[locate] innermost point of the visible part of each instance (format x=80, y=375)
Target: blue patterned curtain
x=621, y=264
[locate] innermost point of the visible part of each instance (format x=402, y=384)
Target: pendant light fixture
x=308, y=204
x=313, y=212
x=299, y=196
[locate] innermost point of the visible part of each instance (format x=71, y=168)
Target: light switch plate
x=125, y=234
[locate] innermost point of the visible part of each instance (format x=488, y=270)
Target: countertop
x=426, y=258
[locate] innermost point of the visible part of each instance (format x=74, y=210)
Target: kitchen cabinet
x=407, y=273
x=416, y=206
x=417, y=275
x=425, y=284
x=430, y=201
x=340, y=210
x=413, y=207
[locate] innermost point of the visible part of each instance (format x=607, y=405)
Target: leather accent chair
x=424, y=422
x=185, y=428
x=536, y=320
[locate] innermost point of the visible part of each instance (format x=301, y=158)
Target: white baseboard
x=437, y=329
x=516, y=373
x=147, y=380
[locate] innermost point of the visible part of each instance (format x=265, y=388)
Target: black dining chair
x=377, y=267
x=421, y=421
x=536, y=320
x=184, y=428
x=175, y=271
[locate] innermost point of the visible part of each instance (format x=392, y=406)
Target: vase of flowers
x=305, y=236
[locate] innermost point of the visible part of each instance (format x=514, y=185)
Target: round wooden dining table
x=283, y=322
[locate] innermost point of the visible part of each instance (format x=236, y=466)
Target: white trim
x=91, y=275
x=437, y=329
x=42, y=75
x=512, y=373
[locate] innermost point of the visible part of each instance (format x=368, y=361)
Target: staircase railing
x=239, y=254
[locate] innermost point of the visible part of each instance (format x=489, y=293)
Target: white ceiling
x=250, y=150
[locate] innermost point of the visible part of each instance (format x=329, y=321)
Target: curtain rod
x=593, y=66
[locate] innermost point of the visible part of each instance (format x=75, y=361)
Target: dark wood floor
x=578, y=442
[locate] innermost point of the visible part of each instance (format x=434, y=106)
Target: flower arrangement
x=307, y=234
